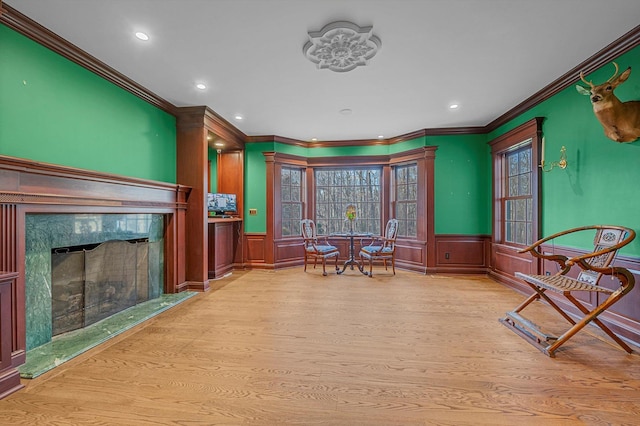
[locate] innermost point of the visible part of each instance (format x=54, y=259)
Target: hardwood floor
x=288, y=347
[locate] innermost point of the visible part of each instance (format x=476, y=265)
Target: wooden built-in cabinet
x=194, y=126
x=225, y=238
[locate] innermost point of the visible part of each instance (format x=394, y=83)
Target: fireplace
x=44, y=206
x=83, y=268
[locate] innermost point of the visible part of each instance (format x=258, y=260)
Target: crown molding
x=444, y=131
x=36, y=32
x=31, y=29
x=622, y=45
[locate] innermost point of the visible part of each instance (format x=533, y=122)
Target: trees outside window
x=335, y=189
x=518, y=199
x=516, y=185
x=291, y=198
x=406, y=199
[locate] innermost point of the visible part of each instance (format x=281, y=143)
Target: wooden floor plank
x=288, y=347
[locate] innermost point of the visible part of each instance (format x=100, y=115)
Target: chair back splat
x=593, y=266
x=317, y=247
x=381, y=248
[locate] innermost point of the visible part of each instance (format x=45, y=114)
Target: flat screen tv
x=221, y=204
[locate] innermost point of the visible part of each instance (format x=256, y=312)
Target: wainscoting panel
x=412, y=255
x=9, y=376
x=506, y=261
x=462, y=253
x=254, y=244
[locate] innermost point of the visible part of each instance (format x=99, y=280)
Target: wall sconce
x=562, y=163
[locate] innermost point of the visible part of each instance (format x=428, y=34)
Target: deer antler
x=585, y=81
x=614, y=74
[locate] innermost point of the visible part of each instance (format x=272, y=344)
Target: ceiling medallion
x=341, y=46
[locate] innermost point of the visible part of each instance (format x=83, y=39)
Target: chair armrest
x=371, y=240
x=560, y=259
x=310, y=242
x=566, y=263
x=532, y=247
x=323, y=238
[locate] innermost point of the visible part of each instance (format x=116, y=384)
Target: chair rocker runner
x=593, y=266
x=316, y=247
x=381, y=248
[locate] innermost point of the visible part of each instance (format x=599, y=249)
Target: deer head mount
x=620, y=120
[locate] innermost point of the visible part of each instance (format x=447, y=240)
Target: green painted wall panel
x=462, y=184
x=287, y=149
x=255, y=186
x=213, y=172
x=55, y=111
x=407, y=145
x=600, y=183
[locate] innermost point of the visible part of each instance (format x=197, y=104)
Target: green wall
x=255, y=185
x=55, y=111
x=600, y=183
x=213, y=169
x=462, y=179
x=462, y=184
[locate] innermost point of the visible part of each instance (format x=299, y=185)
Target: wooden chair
x=593, y=266
x=381, y=247
x=316, y=247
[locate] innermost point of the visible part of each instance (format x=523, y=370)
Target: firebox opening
x=94, y=281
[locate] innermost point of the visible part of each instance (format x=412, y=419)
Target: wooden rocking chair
x=608, y=240
x=316, y=247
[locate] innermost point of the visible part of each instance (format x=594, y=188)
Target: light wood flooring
x=288, y=347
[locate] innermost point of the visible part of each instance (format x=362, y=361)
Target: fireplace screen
x=90, y=283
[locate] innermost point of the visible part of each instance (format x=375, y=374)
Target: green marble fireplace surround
x=44, y=232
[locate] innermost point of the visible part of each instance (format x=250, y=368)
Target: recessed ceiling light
x=380, y=136
x=201, y=86
x=314, y=139
x=142, y=36
x=238, y=117
x=219, y=143
x=454, y=106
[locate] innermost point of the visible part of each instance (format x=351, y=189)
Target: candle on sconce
x=562, y=163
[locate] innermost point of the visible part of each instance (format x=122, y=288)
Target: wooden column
x=192, y=163
x=194, y=124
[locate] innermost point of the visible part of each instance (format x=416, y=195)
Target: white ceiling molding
x=341, y=46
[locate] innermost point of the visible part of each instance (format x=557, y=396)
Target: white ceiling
x=486, y=55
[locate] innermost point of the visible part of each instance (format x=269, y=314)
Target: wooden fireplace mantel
x=31, y=187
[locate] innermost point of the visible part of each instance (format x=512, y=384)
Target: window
x=516, y=186
x=321, y=188
x=291, y=200
x=335, y=189
x=406, y=195
x=518, y=199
